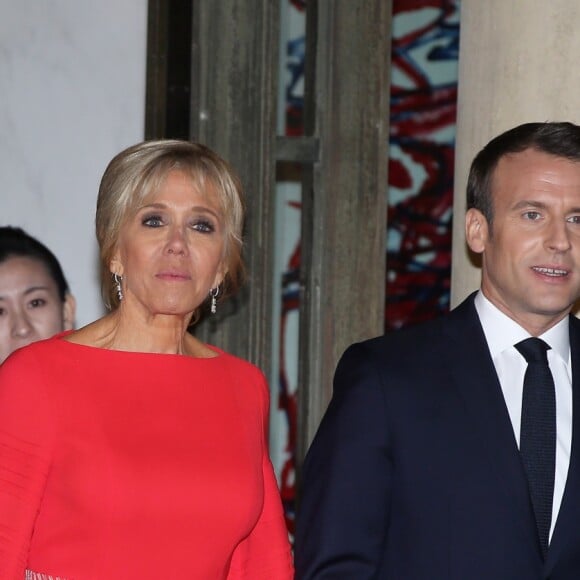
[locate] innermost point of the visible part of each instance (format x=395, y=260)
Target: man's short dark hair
x=561, y=139
x=16, y=243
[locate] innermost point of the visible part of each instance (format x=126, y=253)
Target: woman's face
x=170, y=253
x=30, y=307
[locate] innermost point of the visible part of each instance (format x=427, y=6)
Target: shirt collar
x=502, y=332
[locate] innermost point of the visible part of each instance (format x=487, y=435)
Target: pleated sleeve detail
x=26, y=440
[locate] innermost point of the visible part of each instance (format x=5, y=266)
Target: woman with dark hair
x=144, y=455
x=35, y=301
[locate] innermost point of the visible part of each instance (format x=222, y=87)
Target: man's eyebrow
x=539, y=205
x=529, y=203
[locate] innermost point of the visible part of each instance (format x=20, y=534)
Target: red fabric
x=118, y=465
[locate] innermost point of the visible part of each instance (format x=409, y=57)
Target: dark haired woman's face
x=30, y=307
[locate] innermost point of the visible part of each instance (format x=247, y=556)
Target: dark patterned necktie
x=538, y=432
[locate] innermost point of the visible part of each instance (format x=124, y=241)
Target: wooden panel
x=234, y=97
x=344, y=201
x=297, y=149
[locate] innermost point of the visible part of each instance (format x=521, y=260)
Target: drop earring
x=214, y=294
x=117, y=281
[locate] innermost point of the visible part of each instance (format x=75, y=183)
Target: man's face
x=531, y=252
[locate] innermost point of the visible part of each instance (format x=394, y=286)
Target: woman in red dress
x=129, y=449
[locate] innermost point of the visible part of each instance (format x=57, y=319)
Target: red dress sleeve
x=26, y=442
x=265, y=553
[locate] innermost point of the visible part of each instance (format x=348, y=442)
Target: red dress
x=122, y=465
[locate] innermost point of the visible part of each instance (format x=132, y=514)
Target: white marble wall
x=72, y=94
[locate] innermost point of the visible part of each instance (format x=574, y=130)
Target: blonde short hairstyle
x=140, y=170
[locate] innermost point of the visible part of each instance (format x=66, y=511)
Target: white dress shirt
x=502, y=333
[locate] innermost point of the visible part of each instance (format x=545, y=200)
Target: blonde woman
x=145, y=455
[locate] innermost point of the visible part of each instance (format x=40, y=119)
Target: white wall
x=72, y=94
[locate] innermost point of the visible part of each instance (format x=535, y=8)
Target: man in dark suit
x=449, y=451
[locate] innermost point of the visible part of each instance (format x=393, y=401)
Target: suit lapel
x=568, y=521
x=478, y=387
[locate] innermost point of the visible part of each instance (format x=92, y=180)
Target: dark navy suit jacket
x=415, y=473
